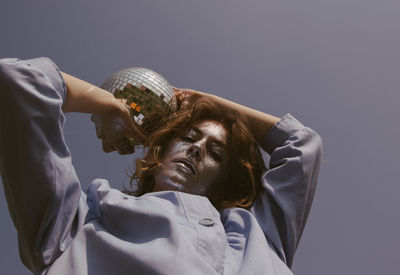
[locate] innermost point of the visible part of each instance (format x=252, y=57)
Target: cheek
x=159, y=175
x=213, y=172
x=172, y=150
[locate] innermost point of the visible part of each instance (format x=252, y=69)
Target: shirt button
x=207, y=222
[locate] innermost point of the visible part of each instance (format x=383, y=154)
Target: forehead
x=212, y=129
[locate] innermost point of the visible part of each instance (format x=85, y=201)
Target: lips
x=188, y=163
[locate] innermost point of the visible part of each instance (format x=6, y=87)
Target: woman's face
x=195, y=160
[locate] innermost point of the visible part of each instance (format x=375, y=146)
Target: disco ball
x=146, y=92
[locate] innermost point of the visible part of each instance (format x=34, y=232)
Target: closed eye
x=216, y=156
x=187, y=139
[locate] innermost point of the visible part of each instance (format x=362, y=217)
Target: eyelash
x=214, y=155
x=187, y=138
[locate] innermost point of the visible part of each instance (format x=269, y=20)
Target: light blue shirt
x=62, y=230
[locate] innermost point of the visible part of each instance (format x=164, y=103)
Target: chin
x=169, y=185
x=171, y=180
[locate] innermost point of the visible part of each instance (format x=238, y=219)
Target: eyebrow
x=218, y=142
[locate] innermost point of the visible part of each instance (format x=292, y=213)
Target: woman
x=203, y=205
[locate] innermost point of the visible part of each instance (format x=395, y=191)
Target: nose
x=194, y=151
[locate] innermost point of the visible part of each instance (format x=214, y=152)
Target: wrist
x=84, y=97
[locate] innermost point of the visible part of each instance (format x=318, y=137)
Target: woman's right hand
x=117, y=129
x=186, y=97
x=259, y=122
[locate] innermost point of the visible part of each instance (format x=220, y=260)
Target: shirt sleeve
x=40, y=184
x=289, y=185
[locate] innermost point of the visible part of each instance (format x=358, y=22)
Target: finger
x=99, y=134
x=127, y=146
x=98, y=131
x=182, y=89
x=140, y=136
x=107, y=147
x=134, y=132
x=122, y=100
x=177, y=92
x=121, y=151
x=125, y=149
x=94, y=117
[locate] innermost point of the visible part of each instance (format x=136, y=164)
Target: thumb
x=137, y=133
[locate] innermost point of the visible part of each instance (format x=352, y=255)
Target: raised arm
x=259, y=122
x=289, y=185
x=41, y=187
x=111, y=116
x=84, y=97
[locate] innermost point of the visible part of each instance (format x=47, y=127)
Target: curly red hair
x=245, y=163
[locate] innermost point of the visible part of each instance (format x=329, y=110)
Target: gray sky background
x=333, y=64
